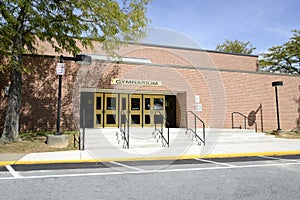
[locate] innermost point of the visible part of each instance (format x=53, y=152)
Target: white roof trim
x=97, y=57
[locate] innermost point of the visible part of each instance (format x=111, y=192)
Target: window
x=98, y=118
x=123, y=103
x=98, y=103
x=147, y=119
x=135, y=119
x=135, y=104
x=147, y=104
x=158, y=103
x=111, y=103
x=110, y=119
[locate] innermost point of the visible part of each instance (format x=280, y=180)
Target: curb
x=184, y=157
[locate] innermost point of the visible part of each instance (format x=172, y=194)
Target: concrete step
x=146, y=137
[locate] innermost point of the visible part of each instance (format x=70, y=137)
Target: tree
x=235, y=47
x=62, y=24
x=285, y=58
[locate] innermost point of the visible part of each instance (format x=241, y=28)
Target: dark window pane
x=135, y=104
x=98, y=103
x=123, y=103
x=111, y=103
x=110, y=119
x=147, y=119
x=135, y=119
x=158, y=103
x=98, y=118
x=147, y=104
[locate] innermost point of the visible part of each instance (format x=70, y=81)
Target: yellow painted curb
x=183, y=157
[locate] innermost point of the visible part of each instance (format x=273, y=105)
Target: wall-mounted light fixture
x=83, y=59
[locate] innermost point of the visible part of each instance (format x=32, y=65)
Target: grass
x=290, y=134
x=36, y=142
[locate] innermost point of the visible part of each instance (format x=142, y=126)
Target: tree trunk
x=11, y=124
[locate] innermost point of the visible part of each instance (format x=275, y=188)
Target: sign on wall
x=197, y=106
x=197, y=98
x=135, y=82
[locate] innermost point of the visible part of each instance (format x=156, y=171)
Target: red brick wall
x=39, y=96
x=245, y=92
x=221, y=92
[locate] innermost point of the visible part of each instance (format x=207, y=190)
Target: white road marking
x=283, y=159
x=147, y=172
x=213, y=162
x=13, y=172
x=127, y=166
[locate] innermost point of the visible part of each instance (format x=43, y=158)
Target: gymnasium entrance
x=141, y=109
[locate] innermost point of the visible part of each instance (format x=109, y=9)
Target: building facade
x=148, y=81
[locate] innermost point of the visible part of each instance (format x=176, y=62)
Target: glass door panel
x=135, y=108
x=111, y=110
x=98, y=110
x=158, y=108
x=123, y=109
x=148, y=105
x=153, y=104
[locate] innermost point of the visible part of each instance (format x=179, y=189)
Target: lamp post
x=275, y=84
x=60, y=71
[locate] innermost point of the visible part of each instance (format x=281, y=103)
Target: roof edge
x=190, y=49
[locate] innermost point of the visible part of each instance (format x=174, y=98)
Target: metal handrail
x=194, y=131
x=164, y=121
x=245, y=120
x=125, y=135
x=81, y=138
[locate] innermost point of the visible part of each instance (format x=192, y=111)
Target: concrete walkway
x=219, y=143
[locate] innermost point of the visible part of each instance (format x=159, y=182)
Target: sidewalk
x=274, y=147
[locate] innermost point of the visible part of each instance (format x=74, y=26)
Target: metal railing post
x=195, y=123
x=168, y=137
x=261, y=119
x=83, y=127
x=203, y=134
x=194, y=131
x=124, y=132
x=245, y=120
x=161, y=130
x=232, y=121
x=187, y=123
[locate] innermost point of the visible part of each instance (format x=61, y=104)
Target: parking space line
x=127, y=166
x=214, y=162
x=283, y=159
x=13, y=172
x=150, y=171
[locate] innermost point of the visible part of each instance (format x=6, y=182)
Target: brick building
x=153, y=79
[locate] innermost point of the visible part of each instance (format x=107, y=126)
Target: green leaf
x=235, y=47
x=283, y=59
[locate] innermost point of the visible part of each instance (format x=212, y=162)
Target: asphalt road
x=239, y=178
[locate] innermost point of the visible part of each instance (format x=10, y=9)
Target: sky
x=206, y=23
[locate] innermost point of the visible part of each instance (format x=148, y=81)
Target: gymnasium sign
x=135, y=82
